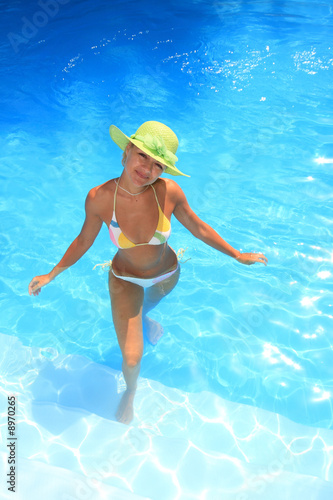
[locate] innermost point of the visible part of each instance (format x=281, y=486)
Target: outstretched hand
x=252, y=258
x=37, y=283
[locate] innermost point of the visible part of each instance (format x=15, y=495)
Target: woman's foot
x=125, y=411
x=153, y=330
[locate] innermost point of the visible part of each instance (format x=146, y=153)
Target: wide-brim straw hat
x=156, y=140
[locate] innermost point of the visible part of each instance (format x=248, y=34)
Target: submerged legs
x=130, y=305
x=153, y=296
x=126, y=304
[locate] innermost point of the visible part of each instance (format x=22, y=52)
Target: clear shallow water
x=247, y=86
x=182, y=445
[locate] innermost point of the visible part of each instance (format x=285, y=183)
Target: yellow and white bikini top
x=161, y=235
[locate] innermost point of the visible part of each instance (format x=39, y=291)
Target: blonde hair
x=124, y=157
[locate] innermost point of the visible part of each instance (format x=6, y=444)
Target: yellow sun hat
x=156, y=140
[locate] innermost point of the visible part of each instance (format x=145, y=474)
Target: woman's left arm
x=207, y=234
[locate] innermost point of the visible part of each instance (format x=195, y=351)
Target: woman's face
x=140, y=167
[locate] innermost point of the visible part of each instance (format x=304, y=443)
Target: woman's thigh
x=155, y=293
x=126, y=304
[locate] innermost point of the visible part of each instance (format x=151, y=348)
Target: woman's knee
x=132, y=359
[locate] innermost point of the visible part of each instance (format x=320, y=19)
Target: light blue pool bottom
x=180, y=445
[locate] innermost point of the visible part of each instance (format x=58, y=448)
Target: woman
x=145, y=268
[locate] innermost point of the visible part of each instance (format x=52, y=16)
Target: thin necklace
x=132, y=194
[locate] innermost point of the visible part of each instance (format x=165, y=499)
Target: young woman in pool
x=137, y=208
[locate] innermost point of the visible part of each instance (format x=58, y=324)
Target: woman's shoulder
x=102, y=193
x=170, y=192
x=171, y=188
x=105, y=188
x=169, y=185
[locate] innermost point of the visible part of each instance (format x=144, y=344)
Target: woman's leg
x=153, y=296
x=126, y=303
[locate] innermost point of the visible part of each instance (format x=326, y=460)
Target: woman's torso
x=137, y=218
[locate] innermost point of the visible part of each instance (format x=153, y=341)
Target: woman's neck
x=129, y=187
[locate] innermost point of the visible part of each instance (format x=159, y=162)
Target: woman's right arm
x=206, y=233
x=78, y=247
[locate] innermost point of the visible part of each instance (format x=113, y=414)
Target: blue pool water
x=244, y=371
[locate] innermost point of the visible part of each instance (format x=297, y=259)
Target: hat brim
x=122, y=140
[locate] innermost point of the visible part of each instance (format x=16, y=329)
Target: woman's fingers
x=252, y=258
x=37, y=283
x=262, y=258
x=32, y=286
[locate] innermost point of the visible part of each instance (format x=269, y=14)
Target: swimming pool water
x=247, y=86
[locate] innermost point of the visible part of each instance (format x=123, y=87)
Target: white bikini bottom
x=146, y=282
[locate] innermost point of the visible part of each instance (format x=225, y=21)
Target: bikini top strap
x=155, y=195
x=114, y=197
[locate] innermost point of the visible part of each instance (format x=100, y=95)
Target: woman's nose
x=148, y=166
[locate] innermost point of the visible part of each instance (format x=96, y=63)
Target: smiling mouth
x=142, y=176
